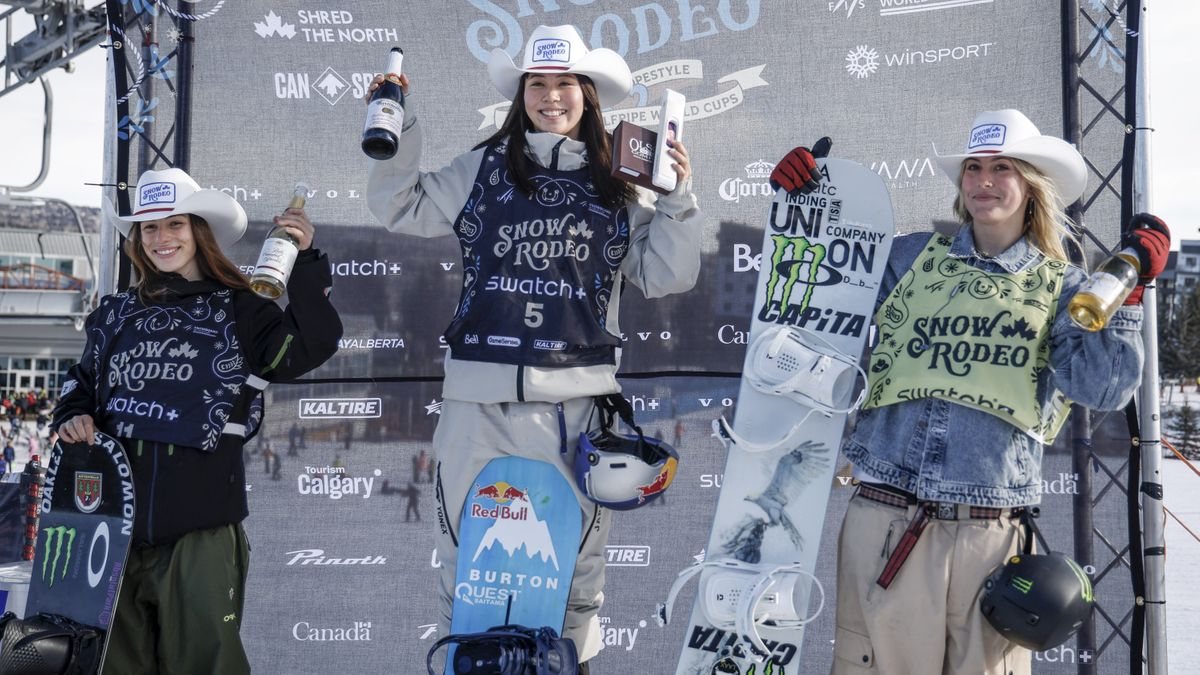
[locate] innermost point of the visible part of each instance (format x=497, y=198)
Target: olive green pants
x=180, y=607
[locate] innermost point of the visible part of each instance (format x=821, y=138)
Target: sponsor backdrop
x=342, y=506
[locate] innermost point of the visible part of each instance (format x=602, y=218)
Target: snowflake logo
x=862, y=61
x=1029, y=284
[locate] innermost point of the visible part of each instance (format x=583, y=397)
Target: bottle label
x=276, y=259
x=385, y=113
x=1107, y=287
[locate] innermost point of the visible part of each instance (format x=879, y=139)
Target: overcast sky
x=77, y=146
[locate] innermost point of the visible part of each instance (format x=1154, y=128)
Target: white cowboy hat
x=1011, y=134
x=161, y=194
x=561, y=49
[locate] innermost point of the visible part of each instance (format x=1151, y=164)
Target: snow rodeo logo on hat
x=551, y=50
x=156, y=193
x=987, y=134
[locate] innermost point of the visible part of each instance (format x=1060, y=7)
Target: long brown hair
x=613, y=192
x=210, y=259
x=1047, y=224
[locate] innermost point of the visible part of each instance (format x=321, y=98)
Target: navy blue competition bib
x=169, y=372
x=538, y=271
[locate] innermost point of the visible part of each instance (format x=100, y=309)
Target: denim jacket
x=942, y=451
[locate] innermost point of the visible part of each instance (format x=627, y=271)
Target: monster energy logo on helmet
x=54, y=540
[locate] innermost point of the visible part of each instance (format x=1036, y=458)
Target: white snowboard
x=823, y=256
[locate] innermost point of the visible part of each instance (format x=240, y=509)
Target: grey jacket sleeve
x=405, y=199
x=664, y=246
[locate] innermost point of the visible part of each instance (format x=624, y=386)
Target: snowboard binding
x=741, y=596
x=48, y=644
x=509, y=650
x=799, y=365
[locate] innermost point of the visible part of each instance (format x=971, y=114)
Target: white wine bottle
x=278, y=254
x=385, y=112
x=1100, y=296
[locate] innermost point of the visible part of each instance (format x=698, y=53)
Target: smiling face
x=554, y=103
x=170, y=245
x=994, y=193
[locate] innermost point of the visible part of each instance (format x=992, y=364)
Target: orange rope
x=1189, y=531
x=1195, y=471
x=1180, y=456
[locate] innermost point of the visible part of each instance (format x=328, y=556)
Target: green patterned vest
x=951, y=331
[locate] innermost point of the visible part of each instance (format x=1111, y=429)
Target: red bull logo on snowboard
x=501, y=494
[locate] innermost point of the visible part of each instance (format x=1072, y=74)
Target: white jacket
x=663, y=257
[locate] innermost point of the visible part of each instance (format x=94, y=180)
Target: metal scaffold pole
x=1153, y=515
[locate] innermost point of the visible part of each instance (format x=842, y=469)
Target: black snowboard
x=83, y=534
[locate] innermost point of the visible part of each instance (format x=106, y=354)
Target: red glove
x=797, y=171
x=1149, y=236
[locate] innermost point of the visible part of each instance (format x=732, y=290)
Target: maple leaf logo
x=1019, y=327
x=274, y=26
x=185, y=350
x=583, y=230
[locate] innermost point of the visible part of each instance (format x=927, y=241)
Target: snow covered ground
x=1181, y=495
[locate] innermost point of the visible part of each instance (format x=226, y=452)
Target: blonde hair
x=1047, y=225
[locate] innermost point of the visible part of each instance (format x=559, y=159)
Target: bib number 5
x=533, y=314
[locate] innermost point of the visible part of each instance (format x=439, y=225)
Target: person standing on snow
x=549, y=162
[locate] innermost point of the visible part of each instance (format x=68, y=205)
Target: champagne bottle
x=1100, y=296
x=385, y=112
x=278, y=254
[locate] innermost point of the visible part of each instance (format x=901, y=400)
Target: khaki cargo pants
x=928, y=620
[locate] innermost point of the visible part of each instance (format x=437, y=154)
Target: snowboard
x=519, y=535
x=822, y=259
x=84, y=532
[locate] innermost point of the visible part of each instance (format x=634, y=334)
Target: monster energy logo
x=54, y=540
x=792, y=265
x=1084, y=581
x=1022, y=584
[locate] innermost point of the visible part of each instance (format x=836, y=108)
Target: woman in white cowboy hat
x=548, y=240
x=975, y=362
x=175, y=368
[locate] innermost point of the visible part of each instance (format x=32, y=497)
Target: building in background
x=1180, y=279
x=47, y=288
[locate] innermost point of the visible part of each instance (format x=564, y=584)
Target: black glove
x=797, y=171
x=1149, y=236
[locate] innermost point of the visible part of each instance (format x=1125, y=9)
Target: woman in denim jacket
x=975, y=366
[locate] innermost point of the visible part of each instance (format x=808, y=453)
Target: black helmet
x=1037, y=601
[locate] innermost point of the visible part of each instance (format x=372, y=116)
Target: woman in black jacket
x=175, y=368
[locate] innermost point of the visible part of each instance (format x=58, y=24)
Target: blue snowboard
x=518, y=537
